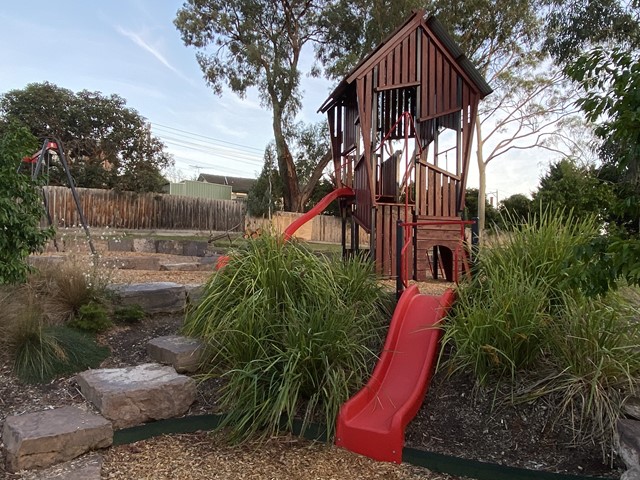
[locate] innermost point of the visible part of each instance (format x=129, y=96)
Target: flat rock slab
x=45, y=438
x=145, y=245
x=171, y=247
x=87, y=467
x=154, y=297
x=192, y=248
x=45, y=260
x=183, y=353
x=120, y=245
x=134, y=395
x=134, y=263
x=179, y=267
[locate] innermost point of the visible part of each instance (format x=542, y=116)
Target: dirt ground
x=457, y=418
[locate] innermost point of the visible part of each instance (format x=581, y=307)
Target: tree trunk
x=286, y=167
x=482, y=173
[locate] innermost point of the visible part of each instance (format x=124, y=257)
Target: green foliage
x=574, y=27
x=515, y=210
x=129, y=314
x=20, y=206
x=107, y=143
x=293, y=333
x=471, y=207
x=92, y=317
x=524, y=319
x=351, y=29
x=574, y=188
x=610, y=80
x=602, y=262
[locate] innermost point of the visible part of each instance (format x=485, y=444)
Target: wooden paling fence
x=323, y=228
x=130, y=210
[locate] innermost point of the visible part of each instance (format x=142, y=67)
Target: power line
x=246, y=147
x=213, y=150
x=202, y=166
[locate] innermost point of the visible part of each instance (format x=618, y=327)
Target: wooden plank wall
x=427, y=237
x=387, y=240
x=363, y=196
x=130, y=210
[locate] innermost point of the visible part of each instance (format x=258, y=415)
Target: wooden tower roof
x=393, y=74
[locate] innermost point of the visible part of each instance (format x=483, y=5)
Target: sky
x=131, y=48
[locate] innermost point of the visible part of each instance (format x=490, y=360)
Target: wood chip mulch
x=204, y=456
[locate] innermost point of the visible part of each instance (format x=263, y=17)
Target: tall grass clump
x=523, y=320
x=37, y=350
x=293, y=333
x=68, y=287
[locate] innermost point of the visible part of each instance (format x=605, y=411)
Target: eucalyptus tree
x=258, y=43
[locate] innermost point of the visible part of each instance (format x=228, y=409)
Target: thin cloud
x=138, y=40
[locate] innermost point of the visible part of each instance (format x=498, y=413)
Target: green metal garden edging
x=436, y=462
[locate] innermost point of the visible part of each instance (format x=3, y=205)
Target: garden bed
x=456, y=419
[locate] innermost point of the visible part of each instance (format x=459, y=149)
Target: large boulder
x=154, y=297
x=134, y=395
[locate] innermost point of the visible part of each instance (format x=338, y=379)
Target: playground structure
x=401, y=125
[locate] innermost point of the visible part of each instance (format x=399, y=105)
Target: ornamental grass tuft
x=523, y=319
x=293, y=333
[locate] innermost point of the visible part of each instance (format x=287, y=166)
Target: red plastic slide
x=291, y=229
x=373, y=421
x=317, y=210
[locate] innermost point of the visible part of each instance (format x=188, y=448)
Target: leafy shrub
x=20, y=206
x=294, y=334
x=128, y=314
x=524, y=318
x=91, y=317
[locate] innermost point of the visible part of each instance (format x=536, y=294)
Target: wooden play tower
x=401, y=125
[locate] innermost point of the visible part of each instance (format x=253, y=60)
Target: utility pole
x=197, y=168
x=494, y=194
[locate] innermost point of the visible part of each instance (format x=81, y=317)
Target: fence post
x=399, y=245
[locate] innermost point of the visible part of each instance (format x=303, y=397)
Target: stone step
x=179, y=267
x=182, y=353
x=135, y=395
x=42, y=439
x=153, y=297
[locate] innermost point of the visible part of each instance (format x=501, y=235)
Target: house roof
x=416, y=19
x=238, y=184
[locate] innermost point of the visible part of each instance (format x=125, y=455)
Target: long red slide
x=317, y=209
x=373, y=421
